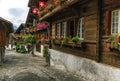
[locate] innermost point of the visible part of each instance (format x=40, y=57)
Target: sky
x=15, y=11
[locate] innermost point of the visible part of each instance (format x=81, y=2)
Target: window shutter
x=108, y=22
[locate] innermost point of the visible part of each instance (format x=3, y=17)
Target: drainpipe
x=99, y=38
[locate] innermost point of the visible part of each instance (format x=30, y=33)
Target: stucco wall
x=89, y=69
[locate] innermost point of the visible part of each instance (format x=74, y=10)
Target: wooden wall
x=108, y=56
x=87, y=10
x=3, y=38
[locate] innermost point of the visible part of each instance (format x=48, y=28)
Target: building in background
x=6, y=28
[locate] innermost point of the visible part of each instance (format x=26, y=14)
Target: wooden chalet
x=20, y=32
x=88, y=20
x=75, y=18
x=34, y=26
x=95, y=23
x=92, y=21
x=110, y=52
x=6, y=28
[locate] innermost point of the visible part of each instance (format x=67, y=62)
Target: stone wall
x=86, y=68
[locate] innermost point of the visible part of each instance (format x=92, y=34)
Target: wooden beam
x=59, y=8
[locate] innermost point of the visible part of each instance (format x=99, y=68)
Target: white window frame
x=58, y=30
x=34, y=22
x=115, y=22
x=64, y=29
x=80, y=32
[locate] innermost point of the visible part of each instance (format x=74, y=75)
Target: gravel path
x=24, y=67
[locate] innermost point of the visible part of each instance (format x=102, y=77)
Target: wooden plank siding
x=108, y=56
x=89, y=12
x=53, y=30
x=3, y=38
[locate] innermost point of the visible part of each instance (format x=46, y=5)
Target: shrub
x=17, y=47
x=46, y=54
x=30, y=39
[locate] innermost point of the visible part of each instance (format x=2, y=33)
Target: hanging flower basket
x=41, y=26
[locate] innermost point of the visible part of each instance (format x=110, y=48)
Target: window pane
x=64, y=26
x=58, y=30
x=81, y=28
x=115, y=22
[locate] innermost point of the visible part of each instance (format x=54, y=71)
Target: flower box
x=70, y=44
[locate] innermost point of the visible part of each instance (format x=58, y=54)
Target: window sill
x=71, y=44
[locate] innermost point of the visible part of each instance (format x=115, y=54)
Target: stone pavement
x=24, y=67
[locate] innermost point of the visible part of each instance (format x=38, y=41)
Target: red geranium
x=118, y=39
x=61, y=39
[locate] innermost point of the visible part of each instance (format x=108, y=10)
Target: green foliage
x=56, y=39
x=46, y=54
x=50, y=7
x=17, y=47
x=114, y=41
x=75, y=40
x=23, y=50
x=65, y=40
x=20, y=49
x=42, y=13
x=61, y=1
x=30, y=39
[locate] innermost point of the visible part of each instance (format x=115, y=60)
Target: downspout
x=99, y=38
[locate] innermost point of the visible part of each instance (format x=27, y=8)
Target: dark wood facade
x=31, y=23
x=96, y=27
x=109, y=55
x=76, y=9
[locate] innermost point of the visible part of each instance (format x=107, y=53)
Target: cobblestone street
x=24, y=67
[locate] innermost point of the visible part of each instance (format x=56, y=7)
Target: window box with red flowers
x=75, y=42
x=113, y=43
x=44, y=41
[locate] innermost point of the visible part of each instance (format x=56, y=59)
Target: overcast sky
x=14, y=10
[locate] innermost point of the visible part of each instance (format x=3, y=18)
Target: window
x=64, y=26
x=58, y=30
x=80, y=28
x=34, y=22
x=115, y=22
